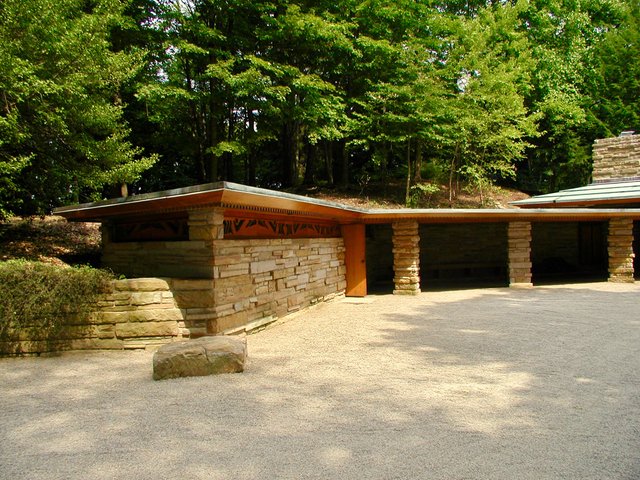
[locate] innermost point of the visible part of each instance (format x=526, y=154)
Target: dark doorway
x=569, y=252
x=379, y=258
x=465, y=255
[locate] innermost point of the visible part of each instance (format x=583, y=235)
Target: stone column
x=406, y=258
x=520, y=254
x=206, y=225
x=621, y=250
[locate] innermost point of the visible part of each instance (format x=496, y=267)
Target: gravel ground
x=474, y=384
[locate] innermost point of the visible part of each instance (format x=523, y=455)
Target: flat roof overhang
x=498, y=215
x=238, y=200
x=230, y=196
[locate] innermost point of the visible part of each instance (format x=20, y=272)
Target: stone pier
x=520, y=254
x=621, y=250
x=406, y=258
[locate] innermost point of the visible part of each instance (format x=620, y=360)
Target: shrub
x=43, y=303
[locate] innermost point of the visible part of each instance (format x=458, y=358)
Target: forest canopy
x=96, y=95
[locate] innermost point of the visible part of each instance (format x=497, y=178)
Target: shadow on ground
x=498, y=383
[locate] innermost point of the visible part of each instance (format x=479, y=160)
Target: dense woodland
x=100, y=94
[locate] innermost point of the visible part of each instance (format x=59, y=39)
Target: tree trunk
x=289, y=170
x=343, y=158
x=452, y=172
x=310, y=160
x=328, y=160
x=251, y=160
x=212, y=137
x=407, y=193
x=417, y=173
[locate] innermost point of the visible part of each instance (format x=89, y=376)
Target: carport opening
x=458, y=256
x=569, y=252
x=379, y=246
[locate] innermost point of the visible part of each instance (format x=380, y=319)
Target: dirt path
x=476, y=384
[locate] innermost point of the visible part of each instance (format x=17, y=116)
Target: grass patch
x=46, y=305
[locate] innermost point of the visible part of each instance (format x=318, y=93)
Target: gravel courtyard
x=473, y=384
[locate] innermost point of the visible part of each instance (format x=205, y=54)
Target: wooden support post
x=355, y=259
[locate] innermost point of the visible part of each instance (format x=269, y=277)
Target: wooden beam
x=355, y=259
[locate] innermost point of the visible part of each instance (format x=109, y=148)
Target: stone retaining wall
x=257, y=281
x=137, y=313
x=616, y=158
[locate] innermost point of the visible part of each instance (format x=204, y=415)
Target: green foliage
x=38, y=301
x=62, y=134
x=421, y=193
x=279, y=93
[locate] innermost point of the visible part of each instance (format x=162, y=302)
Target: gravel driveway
x=474, y=384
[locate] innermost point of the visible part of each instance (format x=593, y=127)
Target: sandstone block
x=142, y=285
x=147, y=329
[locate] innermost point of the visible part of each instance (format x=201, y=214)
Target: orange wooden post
x=355, y=259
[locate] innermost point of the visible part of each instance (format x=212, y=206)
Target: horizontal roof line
x=233, y=196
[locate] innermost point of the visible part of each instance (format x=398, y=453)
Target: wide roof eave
x=225, y=194
x=241, y=199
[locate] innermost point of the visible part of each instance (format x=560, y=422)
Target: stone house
x=241, y=257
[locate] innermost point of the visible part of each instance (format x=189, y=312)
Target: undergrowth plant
x=41, y=302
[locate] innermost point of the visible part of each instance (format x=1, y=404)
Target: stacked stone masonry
x=621, y=250
x=519, y=238
x=137, y=313
x=259, y=280
x=177, y=259
x=616, y=158
x=406, y=258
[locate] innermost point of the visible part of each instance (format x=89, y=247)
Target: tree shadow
x=475, y=384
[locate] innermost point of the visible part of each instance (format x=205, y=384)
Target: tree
x=564, y=36
x=62, y=137
x=615, y=103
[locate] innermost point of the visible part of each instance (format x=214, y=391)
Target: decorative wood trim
x=235, y=228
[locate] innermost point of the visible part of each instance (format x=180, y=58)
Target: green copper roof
x=601, y=193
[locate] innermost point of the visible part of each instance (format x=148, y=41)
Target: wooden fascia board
x=235, y=202
x=492, y=216
x=131, y=207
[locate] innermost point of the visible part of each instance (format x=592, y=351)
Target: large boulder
x=202, y=356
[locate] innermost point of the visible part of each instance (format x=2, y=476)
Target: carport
x=416, y=250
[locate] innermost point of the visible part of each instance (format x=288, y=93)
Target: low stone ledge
x=203, y=356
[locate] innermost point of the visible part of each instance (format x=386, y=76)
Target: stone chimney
x=617, y=158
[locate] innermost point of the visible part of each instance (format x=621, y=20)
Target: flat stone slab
x=202, y=356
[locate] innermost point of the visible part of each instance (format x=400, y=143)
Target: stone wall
x=616, y=158
x=138, y=313
x=259, y=280
x=192, y=258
